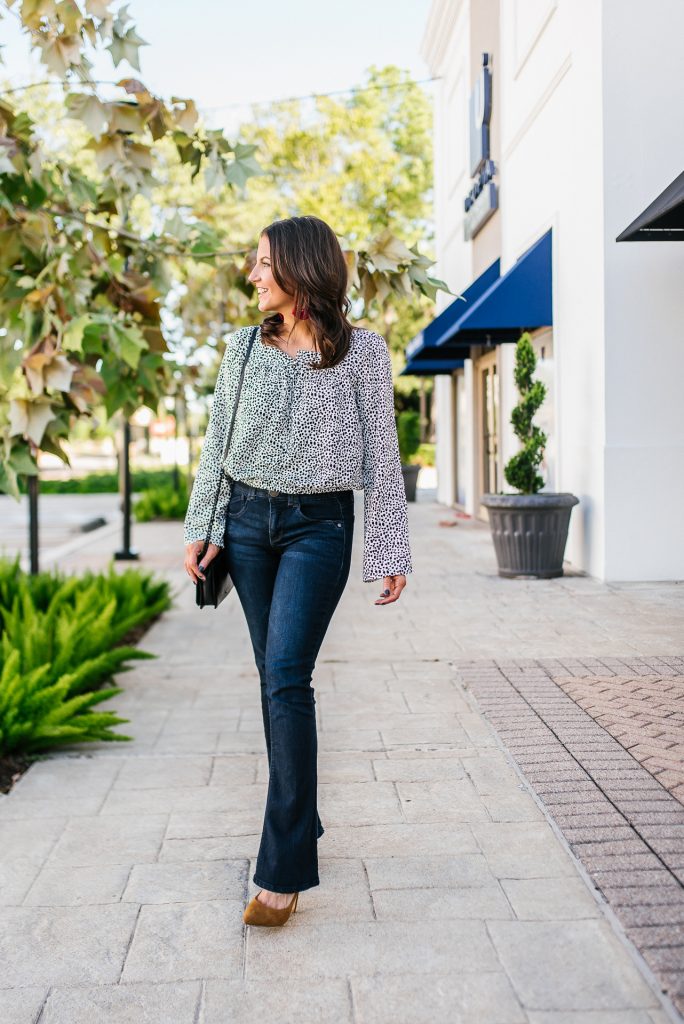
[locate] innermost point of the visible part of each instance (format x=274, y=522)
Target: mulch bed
x=12, y=767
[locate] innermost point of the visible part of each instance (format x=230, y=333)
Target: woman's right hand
x=192, y=551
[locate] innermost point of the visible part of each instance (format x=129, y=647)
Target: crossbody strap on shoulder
x=228, y=439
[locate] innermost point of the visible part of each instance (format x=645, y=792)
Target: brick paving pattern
x=644, y=712
x=611, y=796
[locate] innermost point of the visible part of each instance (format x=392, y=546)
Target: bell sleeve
x=209, y=469
x=386, y=549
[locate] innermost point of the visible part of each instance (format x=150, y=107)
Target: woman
x=315, y=422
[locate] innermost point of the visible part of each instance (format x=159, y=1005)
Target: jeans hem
x=286, y=888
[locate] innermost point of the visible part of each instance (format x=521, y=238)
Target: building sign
x=483, y=198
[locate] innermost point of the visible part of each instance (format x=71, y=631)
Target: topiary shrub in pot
x=529, y=528
x=408, y=434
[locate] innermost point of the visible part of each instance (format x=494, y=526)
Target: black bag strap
x=227, y=445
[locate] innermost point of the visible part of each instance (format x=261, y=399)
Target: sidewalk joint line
x=129, y=944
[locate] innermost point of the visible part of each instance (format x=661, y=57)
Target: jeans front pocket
x=325, y=508
x=237, y=504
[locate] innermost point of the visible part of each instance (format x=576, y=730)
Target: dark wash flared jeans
x=289, y=557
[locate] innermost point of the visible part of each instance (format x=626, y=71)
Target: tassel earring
x=301, y=314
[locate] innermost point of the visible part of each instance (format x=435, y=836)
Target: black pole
x=32, y=484
x=127, y=553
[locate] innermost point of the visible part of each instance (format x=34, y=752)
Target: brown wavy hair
x=308, y=263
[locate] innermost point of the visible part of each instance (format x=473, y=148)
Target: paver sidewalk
x=447, y=894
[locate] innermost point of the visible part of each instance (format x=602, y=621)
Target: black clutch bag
x=217, y=583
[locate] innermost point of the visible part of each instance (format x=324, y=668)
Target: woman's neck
x=296, y=332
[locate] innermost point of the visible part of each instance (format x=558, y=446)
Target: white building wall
x=551, y=178
x=590, y=95
x=445, y=438
x=643, y=151
x=449, y=32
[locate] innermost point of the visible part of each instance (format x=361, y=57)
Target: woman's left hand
x=393, y=586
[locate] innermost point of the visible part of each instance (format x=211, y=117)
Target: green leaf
x=8, y=481
x=22, y=462
x=59, y=53
x=242, y=167
x=72, y=338
x=129, y=341
x=130, y=350
x=125, y=117
x=125, y=47
x=88, y=109
x=51, y=444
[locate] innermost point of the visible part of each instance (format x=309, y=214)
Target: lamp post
x=32, y=483
x=126, y=553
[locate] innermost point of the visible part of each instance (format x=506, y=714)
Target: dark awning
x=430, y=367
x=520, y=300
x=663, y=220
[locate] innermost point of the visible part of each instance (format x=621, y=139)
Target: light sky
x=225, y=54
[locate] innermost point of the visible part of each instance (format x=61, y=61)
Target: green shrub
x=161, y=503
x=521, y=469
x=61, y=638
x=408, y=433
x=104, y=482
x=35, y=715
x=426, y=453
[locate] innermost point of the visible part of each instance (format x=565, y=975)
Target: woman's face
x=271, y=297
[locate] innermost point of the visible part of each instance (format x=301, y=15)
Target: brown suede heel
x=257, y=912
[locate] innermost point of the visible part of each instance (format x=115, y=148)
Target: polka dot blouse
x=301, y=430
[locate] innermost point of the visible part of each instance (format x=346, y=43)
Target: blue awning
x=496, y=309
x=430, y=367
x=520, y=300
x=439, y=330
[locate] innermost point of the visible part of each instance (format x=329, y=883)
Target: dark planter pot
x=410, y=473
x=530, y=532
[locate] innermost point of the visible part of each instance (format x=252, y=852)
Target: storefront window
x=490, y=429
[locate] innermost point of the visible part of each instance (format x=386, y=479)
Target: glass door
x=489, y=475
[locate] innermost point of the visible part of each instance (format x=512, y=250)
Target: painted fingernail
x=386, y=593
x=201, y=569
